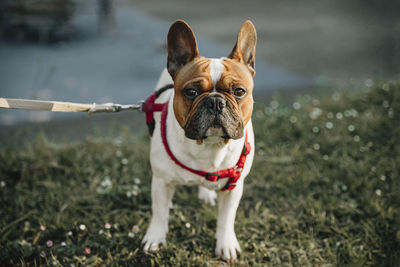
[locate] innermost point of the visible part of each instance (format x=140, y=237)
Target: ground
x=324, y=191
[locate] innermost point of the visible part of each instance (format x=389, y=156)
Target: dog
x=204, y=132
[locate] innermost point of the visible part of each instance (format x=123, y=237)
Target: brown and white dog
x=209, y=114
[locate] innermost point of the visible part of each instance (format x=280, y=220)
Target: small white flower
x=136, y=180
x=383, y=178
x=315, y=113
x=106, y=182
x=296, y=105
x=187, y=225
x=135, y=228
x=351, y=128
x=315, y=129
x=118, y=153
x=118, y=141
x=390, y=113
x=274, y=104
x=369, y=83
x=131, y=235
x=329, y=125
x=268, y=110
x=356, y=138
x=49, y=243
x=82, y=227
x=63, y=244
x=101, y=231
x=2, y=184
x=129, y=194
x=325, y=157
x=124, y=161
x=315, y=102
x=378, y=192
x=107, y=225
x=385, y=104
x=69, y=233
x=354, y=112
x=293, y=119
x=317, y=146
x=339, y=115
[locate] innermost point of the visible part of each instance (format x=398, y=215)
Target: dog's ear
x=182, y=46
x=244, y=50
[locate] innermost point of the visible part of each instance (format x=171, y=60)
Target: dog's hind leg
x=207, y=195
x=161, y=196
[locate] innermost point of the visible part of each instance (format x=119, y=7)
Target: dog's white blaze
x=216, y=69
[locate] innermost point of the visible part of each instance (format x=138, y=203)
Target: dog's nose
x=215, y=104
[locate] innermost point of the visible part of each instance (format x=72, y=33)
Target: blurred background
x=113, y=51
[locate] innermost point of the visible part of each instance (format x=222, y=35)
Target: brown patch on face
x=196, y=75
x=192, y=114
x=237, y=75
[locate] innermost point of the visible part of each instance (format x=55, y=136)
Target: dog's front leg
x=161, y=197
x=227, y=244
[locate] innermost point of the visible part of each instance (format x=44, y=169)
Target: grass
x=324, y=191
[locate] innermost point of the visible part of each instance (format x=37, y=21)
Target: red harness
x=149, y=107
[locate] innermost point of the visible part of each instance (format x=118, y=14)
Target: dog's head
x=213, y=97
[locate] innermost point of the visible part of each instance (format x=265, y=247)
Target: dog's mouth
x=202, y=125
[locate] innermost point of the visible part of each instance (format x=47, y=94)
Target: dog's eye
x=190, y=93
x=239, y=92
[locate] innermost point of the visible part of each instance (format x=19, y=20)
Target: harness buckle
x=140, y=105
x=212, y=177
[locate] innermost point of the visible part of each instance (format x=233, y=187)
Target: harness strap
x=149, y=107
x=232, y=173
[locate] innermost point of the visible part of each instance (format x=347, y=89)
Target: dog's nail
x=199, y=141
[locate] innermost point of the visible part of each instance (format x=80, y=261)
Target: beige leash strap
x=56, y=106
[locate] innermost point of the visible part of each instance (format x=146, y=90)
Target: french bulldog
x=207, y=128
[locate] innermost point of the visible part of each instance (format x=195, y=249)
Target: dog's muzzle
x=214, y=112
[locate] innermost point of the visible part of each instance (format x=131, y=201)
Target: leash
x=57, y=106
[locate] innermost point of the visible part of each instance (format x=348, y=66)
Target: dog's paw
x=228, y=247
x=152, y=240
x=208, y=196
